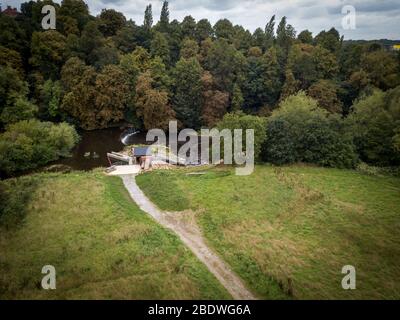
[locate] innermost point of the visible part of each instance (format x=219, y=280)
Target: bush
x=239, y=120
x=15, y=195
x=300, y=131
x=31, y=143
x=376, y=125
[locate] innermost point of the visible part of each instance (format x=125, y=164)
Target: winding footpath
x=183, y=224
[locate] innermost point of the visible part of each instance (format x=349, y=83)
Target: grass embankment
x=101, y=244
x=289, y=231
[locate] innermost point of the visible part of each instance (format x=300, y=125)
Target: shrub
x=239, y=120
x=375, y=121
x=30, y=143
x=301, y=131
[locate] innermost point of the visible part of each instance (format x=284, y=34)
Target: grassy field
x=289, y=231
x=101, y=244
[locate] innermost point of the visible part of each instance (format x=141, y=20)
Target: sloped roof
x=143, y=151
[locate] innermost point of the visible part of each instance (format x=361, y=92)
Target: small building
x=142, y=156
x=396, y=47
x=11, y=12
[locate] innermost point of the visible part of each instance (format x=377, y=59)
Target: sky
x=374, y=19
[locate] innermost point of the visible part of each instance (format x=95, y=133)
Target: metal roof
x=143, y=151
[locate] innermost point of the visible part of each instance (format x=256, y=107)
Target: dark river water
x=91, y=151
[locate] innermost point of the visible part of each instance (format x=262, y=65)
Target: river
x=91, y=151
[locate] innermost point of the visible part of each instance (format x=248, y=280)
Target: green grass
x=101, y=244
x=289, y=231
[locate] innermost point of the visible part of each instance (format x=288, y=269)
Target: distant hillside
x=383, y=42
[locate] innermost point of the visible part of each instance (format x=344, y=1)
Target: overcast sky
x=375, y=19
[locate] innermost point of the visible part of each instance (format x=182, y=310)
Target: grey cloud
x=375, y=18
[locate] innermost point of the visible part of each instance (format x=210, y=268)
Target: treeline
x=98, y=71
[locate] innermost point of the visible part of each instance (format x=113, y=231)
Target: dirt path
x=183, y=224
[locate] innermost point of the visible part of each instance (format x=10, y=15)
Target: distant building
x=396, y=47
x=12, y=12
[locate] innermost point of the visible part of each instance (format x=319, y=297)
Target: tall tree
x=187, y=96
x=305, y=37
x=270, y=33
x=188, y=27
x=152, y=105
x=223, y=29
x=215, y=102
x=48, y=49
x=111, y=22
x=285, y=35
x=77, y=10
x=148, y=18
x=204, y=30
x=164, y=17
x=159, y=47
x=325, y=92
x=226, y=64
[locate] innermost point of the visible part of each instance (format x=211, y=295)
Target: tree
x=95, y=100
x=30, y=143
x=305, y=37
x=188, y=27
x=79, y=100
x=300, y=131
x=20, y=109
x=164, y=17
x=291, y=85
x=152, y=105
x=111, y=22
x=204, y=30
x=47, y=52
x=223, y=29
x=159, y=75
x=77, y=10
x=126, y=38
x=226, y=64
x=90, y=42
x=12, y=36
x=285, y=35
x=382, y=69
x=375, y=121
x=12, y=59
x=270, y=33
x=190, y=49
x=237, y=99
x=148, y=18
x=51, y=98
x=310, y=64
x=112, y=87
x=329, y=40
x=259, y=38
x=239, y=120
x=14, y=105
x=325, y=92
x=262, y=84
x=215, y=102
x=187, y=98
x=11, y=85
x=159, y=47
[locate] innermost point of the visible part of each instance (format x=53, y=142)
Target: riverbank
x=101, y=244
x=288, y=231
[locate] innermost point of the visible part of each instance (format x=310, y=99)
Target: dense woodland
x=312, y=98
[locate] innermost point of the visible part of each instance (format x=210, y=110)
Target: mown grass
x=289, y=231
x=101, y=244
